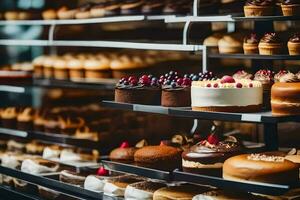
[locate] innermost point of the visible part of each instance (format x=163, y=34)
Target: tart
x=230, y=44
x=290, y=7
x=251, y=44
x=145, y=90
x=255, y=8
x=25, y=119
x=270, y=44
x=294, y=45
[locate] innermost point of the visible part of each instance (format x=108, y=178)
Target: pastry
x=60, y=69
x=112, y=8
x=251, y=44
x=284, y=95
x=25, y=119
x=38, y=166
x=131, y=7
x=98, y=10
x=207, y=156
x=51, y=152
x=212, y=42
x=270, y=44
x=69, y=125
x=49, y=14
x=76, y=68
x=154, y=7
x=35, y=148
x=176, y=90
x=186, y=192
x=11, y=15
x=142, y=190
x=9, y=117
x=86, y=133
x=262, y=167
x=72, y=178
x=124, y=153
x=38, y=64
x=158, y=157
x=145, y=90
x=66, y=13
x=266, y=78
x=255, y=8
x=290, y=7
x=116, y=186
x=227, y=95
x=15, y=146
x=294, y=44
x=48, y=67
x=83, y=12
x=230, y=44
x=96, y=68
x=225, y=194
x=68, y=155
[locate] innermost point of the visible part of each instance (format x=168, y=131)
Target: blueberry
x=200, y=79
x=191, y=75
x=195, y=78
x=154, y=79
x=186, y=76
x=173, y=84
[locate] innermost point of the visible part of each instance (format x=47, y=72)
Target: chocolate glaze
x=270, y=38
x=260, y=3
x=251, y=39
x=295, y=38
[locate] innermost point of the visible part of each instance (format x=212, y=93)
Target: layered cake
x=208, y=156
x=227, y=95
x=123, y=154
x=285, y=98
x=263, y=167
x=142, y=190
x=145, y=90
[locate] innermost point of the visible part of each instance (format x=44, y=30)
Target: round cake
x=285, y=95
x=264, y=167
x=123, y=154
x=227, y=95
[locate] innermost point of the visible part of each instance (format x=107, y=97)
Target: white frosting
x=29, y=166
x=111, y=189
x=49, y=153
x=191, y=164
x=69, y=155
x=94, y=184
x=205, y=97
x=132, y=193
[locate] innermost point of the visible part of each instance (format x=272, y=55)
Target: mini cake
x=49, y=14
x=145, y=90
x=116, y=186
x=176, y=91
x=9, y=117
x=98, y=10
x=270, y=44
x=123, y=154
x=25, y=119
x=186, y=192
x=212, y=42
x=15, y=146
x=227, y=95
x=225, y=194
x=263, y=167
x=96, y=68
x=38, y=166
x=207, y=157
x=266, y=78
x=251, y=44
x=66, y=13
x=284, y=95
x=230, y=44
x=60, y=69
x=69, y=125
x=255, y=8
x=76, y=68
x=294, y=44
x=112, y=8
x=72, y=178
x=83, y=12
x=158, y=157
x=154, y=7
x=142, y=190
x=131, y=7
x=35, y=147
x=242, y=75
x=290, y=7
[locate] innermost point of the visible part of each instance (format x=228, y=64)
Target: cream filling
x=94, y=184
x=205, y=97
x=132, y=193
x=29, y=166
x=111, y=189
x=192, y=164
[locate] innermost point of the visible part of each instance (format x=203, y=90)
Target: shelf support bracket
x=195, y=7
x=186, y=31
x=51, y=38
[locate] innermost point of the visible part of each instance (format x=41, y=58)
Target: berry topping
x=216, y=85
x=179, y=81
x=173, y=85
x=208, y=85
x=144, y=80
x=102, y=172
x=186, y=82
x=132, y=78
x=124, y=145
x=239, y=85
x=227, y=79
x=213, y=139
x=162, y=143
x=250, y=84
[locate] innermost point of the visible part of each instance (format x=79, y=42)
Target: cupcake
x=290, y=7
x=270, y=44
x=25, y=119
x=76, y=68
x=9, y=117
x=207, y=156
x=49, y=14
x=242, y=75
x=60, y=69
x=48, y=67
x=266, y=77
x=251, y=44
x=294, y=45
x=255, y=8
x=230, y=44
x=212, y=42
x=96, y=68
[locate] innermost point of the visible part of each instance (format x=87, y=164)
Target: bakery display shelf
x=7, y=192
x=105, y=44
x=255, y=187
x=57, y=139
x=262, y=117
x=12, y=89
x=227, y=18
x=137, y=170
x=52, y=184
x=79, y=83
x=254, y=56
